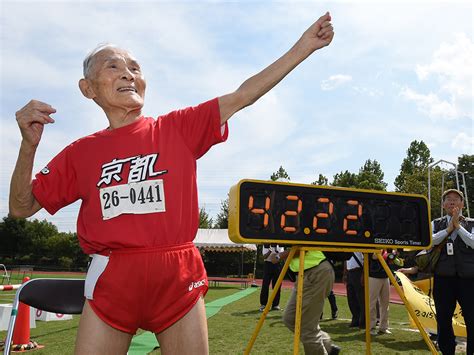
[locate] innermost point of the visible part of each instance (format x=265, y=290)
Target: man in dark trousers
x=354, y=271
x=271, y=271
x=454, y=272
x=333, y=303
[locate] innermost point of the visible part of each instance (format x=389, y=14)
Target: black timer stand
x=299, y=251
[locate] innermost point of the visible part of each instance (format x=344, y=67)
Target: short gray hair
x=87, y=64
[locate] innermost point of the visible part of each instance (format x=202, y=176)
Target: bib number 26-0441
x=134, y=198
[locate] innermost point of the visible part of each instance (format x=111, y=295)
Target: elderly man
x=454, y=272
x=139, y=211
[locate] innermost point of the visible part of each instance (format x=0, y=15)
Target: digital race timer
x=288, y=213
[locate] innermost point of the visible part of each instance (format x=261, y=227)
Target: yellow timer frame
x=266, y=212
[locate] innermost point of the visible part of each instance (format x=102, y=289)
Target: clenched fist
x=31, y=120
x=319, y=34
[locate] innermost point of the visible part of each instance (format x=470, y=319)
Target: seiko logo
x=196, y=284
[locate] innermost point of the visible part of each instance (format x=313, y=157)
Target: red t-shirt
x=137, y=183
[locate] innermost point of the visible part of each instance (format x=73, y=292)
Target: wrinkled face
x=116, y=80
x=451, y=201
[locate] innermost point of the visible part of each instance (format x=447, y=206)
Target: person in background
x=454, y=272
x=271, y=271
x=379, y=290
x=354, y=279
x=333, y=304
x=317, y=284
x=410, y=269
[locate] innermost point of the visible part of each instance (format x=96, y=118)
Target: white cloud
x=451, y=66
x=452, y=61
x=335, y=81
x=431, y=104
x=464, y=143
x=372, y=92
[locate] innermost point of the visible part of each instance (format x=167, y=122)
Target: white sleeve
x=467, y=237
x=439, y=236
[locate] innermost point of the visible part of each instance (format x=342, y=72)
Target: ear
x=86, y=88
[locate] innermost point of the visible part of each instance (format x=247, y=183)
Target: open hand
x=455, y=218
x=450, y=226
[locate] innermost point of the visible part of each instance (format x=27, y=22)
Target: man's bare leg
x=96, y=337
x=188, y=335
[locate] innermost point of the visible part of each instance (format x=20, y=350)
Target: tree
x=60, y=250
x=62, y=244
x=417, y=183
x=345, y=179
x=81, y=259
x=280, y=174
x=26, y=239
x=13, y=236
x=371, y=176
x=40, y=232
x=413, y=177
x=204, y=220
x=23, y=241
x=322, y=180
x=418, y=159
x=222, y=219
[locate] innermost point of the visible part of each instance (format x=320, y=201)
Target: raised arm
x=317, y=36
x=31, y=120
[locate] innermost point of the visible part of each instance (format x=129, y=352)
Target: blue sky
x=397, y=71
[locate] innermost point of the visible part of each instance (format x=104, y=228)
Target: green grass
x=58, y=337
x=230, y=330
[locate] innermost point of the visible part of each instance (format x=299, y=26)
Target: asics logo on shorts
x=196, y=284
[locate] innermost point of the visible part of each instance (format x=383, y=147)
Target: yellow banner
x=424, y=307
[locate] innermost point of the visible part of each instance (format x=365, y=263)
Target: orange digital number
x=260, y=211
x=352, y=217
x=299, y=207
x=323, y=215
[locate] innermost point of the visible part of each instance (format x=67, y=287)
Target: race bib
x=134, y=198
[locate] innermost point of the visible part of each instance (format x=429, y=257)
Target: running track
x=340, y=290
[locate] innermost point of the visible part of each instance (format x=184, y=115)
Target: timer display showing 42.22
x=288, y=213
